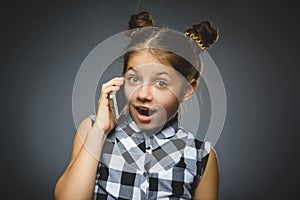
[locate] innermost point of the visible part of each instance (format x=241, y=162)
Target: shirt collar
x=167, y=145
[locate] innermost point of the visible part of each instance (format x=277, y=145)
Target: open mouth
x=144, y=111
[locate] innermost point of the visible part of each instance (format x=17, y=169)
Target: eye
x=133, y=79
x=161, y=83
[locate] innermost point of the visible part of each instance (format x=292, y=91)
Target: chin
x=153, y=125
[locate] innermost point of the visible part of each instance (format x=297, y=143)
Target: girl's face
x=153, y=91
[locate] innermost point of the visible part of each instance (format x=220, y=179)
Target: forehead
x=143, y=57
x=146, y=61
x=150, y=69
x=147, y=65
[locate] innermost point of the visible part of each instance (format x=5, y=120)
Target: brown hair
x=154, y=40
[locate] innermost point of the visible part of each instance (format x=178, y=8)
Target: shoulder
x=81, y=133
x=207, y=185
x=82, y=130
x=198, y=150
x=86, y=123
x=203, y=148
x=92, y=118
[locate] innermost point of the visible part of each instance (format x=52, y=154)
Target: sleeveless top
x=134, y=165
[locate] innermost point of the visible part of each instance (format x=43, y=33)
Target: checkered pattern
x=134, y=165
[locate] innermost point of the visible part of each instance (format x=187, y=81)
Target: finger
x=118, y=81
x=105, y=92
x=110, y=89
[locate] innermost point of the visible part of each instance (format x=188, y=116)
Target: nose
x=144, y=93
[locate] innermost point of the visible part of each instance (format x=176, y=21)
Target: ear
x=190, y=90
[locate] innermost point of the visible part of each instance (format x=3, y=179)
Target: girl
x=145, y=153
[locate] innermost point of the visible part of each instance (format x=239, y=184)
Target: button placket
x=147, y=163
x=145, y=174
x=148, y=144
x=148, y=153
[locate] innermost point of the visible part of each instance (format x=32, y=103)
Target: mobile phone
x=114, y=105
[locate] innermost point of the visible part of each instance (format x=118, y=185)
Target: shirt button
x=148, y=148
x=145, y=174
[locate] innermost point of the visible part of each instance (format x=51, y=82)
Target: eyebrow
x=162, y=73
x=131, y=68
x=156, y=73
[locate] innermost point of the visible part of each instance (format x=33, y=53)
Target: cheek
x=169, y=102
x=179, y=91
x=129, y=92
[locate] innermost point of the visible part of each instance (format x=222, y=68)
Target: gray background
x=43, y=45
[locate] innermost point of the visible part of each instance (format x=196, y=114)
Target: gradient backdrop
x=43, y=45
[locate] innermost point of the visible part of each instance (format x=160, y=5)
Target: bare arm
x=208, y=187
x=78, y=180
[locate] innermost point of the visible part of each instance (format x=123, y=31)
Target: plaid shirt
x=167, y=165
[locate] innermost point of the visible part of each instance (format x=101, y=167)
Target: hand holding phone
x=104, y=117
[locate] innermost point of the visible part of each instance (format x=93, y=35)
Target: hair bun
x=204, y=34
x=142, y=19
